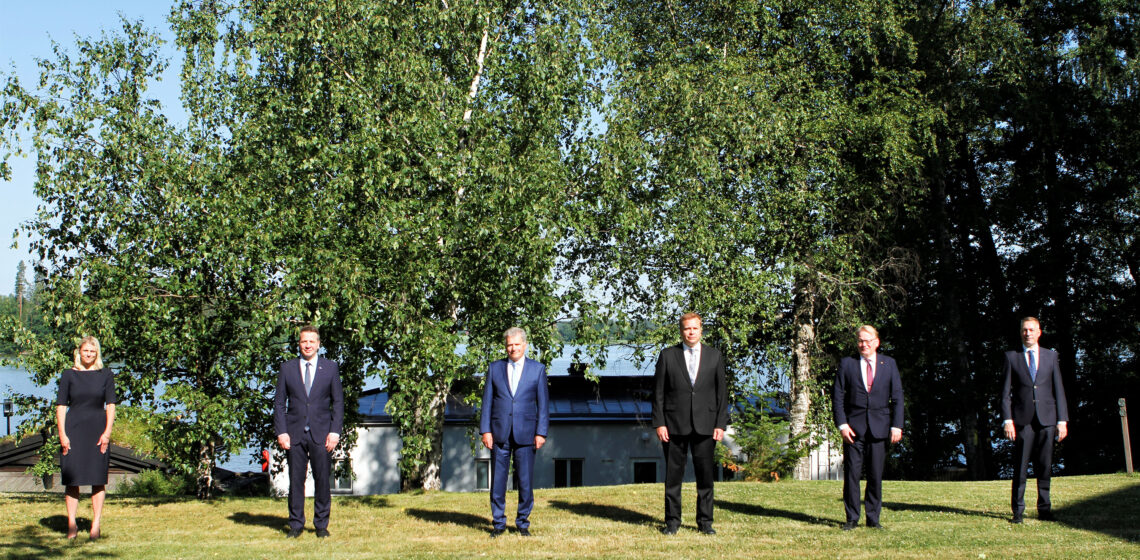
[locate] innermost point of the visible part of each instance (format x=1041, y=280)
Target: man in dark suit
x=1033, y=412
x=867, y=403
x=514, y=420
x=308, y=416
x=690, y=411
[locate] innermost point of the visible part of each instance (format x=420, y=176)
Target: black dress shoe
x=874, y=526
x=524, y=532
x=707, y=530
x=496, y=532
x=1046, y=515
x=850, y=525
x=322, y=533
x=1016, y=519
x=667, y=530
x=293, y=533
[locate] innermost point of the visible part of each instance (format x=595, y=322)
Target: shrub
x=156, y=483
x=769, y=453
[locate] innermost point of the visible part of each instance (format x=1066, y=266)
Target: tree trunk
x=802, y=316
x=205, y=470
x=436, y=407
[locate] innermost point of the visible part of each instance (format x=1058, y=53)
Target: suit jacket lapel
x=685, y=364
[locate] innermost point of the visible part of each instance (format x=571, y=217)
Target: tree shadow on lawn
x=1113, y=514
x=278, y=522
x=34, y=542
x=607, y=512
x=934, y=508
x=453, y=517
x=756, y=509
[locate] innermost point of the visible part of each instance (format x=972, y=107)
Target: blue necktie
x=308, y=377
x=1032, y=366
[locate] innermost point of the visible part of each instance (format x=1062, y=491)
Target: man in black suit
x=867, y=402
x=690, y=411
x=1033, y=412
x=308, y=416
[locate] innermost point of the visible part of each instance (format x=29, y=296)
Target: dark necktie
x=870, y=376
x=308, y=377
x=1032, y=366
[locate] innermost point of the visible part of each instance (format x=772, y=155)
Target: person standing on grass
x=513, y=420
x=1034, y=412
x=84, y=413
x=308, y=416
x=690, y=411
x=867, y=403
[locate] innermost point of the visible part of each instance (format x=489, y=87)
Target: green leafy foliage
x=768, y=452
x=153, y=483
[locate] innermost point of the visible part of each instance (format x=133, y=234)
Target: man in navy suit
x=690, y=411
x=513, y=421
x=308, y=416
x=1033, y=412
x=867, y=402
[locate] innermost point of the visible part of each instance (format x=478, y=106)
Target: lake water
x=15, y=380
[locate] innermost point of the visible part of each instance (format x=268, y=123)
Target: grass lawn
x=1099, y=517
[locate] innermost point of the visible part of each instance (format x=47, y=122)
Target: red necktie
x=870, y=376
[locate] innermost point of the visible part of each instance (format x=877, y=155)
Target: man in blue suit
x=1033, y=411
x=867, y=402
x=513, y=421
x=308, y=416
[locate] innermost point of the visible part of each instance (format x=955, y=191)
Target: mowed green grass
x=1099, y=517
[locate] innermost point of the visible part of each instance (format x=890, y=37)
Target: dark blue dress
x=85, y=393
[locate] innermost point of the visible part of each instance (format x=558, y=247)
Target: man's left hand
x=896, y=435
x=539, y=441
x=1062, y=431
x=718, y=434
x=331, y=441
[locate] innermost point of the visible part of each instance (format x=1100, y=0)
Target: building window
x=644, y=471
x=341, y=482
x=482, y=474
x=567, y=472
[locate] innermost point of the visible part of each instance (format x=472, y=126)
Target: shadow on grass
x=279, y=522
x=33, y=542
x=607, y=512
x=934, y=508
x=756, y=509
x=369, y=501
x=454, y=517
x=1112, y=513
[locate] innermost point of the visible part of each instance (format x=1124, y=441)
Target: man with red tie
x=867, y=402
x=1033, y=412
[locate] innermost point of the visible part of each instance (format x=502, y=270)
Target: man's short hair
x=310, y=328
x=1031, y=318
x=690, y=315
x=512, y=332
x=867, y=328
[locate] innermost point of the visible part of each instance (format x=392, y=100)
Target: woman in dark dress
x=84, y=412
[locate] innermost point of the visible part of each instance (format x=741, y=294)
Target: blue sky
x=27, y=29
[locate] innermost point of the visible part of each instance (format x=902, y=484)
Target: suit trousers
x=303, y=453
x=1033, y=441
x=704, y=467
x=501, y=467
x=870, y=453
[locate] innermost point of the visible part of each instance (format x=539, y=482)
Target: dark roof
x=121, y=457
x=573, y=398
